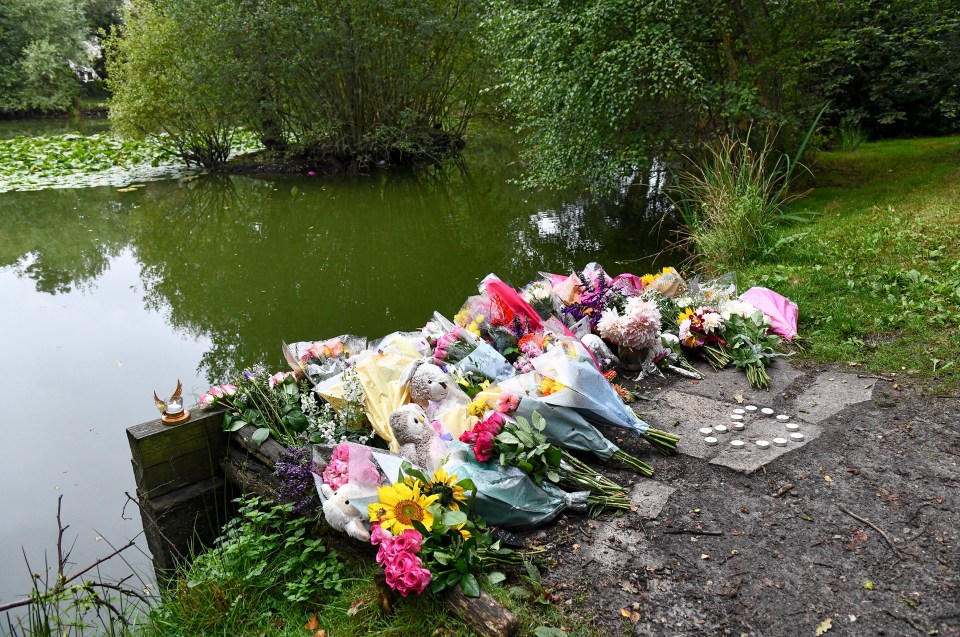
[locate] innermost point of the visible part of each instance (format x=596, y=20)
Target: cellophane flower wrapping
x=566, y=428
x=585, y=389
x=782, y=312
x=508, y=497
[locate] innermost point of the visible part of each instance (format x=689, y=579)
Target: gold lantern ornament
x=171, y=410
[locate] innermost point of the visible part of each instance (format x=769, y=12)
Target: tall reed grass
x=733, y=201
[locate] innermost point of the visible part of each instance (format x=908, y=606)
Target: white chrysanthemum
x=684, y=329
x=712, y=322
x=670, y=340
x=736, y=307
x=609, y=325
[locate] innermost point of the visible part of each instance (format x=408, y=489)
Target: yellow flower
x=460, y=318
x=684, y=315
x=647, y=280
x=445, y=485
x=463, y=532
x=480, y=318
x=549, y=386
x=477, y=407
x=400, y=505
x=474, y=328
x=669, y=270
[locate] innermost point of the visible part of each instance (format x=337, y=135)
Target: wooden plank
x=484, y=614
x=176, y=473
x=150, y=441
x=268, y=453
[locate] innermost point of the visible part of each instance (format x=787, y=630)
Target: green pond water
x=106, y=296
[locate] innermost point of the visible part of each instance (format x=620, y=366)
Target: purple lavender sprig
x=295, y=468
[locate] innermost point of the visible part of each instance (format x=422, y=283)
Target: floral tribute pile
x=415, y=442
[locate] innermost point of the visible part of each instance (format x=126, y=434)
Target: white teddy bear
x=428, y=383
x=343, y=516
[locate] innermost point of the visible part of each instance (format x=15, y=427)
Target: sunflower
x=400, y=505
x=445, y=486
x=647, y=280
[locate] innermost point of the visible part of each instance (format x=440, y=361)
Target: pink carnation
x=507, y=403
x=337, y=472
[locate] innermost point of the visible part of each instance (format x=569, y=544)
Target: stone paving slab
x=649, y=496
x=684, y=413
x=831, y=393
x=726, y=383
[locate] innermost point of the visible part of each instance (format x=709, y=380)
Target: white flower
x=712, y=322
x=609, y=322
x=736, y=307
x=671, y=340
x=684, y=329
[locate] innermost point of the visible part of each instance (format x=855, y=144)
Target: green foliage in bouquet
x=522, y=444
x=269, y=403
x=751, y=347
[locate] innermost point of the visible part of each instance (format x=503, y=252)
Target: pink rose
x=207, y=400
x=469, y=437
x=216, y=391
x=229, y=390
x=483, y=449
x=408, y=542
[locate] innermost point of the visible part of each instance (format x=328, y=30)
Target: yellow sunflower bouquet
x=427, y=537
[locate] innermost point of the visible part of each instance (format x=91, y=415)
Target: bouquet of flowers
x=521, y=443
x=541, y=298
x=671, y=358
x=454, y=346
x=269, y=402
x=637, y=326
x=751, y=345
x=703, y=329
x=428, y=538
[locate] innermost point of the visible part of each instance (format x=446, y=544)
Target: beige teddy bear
x=343, y=516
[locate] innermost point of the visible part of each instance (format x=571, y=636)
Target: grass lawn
x=877, y=272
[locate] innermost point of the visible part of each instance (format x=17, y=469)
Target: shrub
x=732, y=203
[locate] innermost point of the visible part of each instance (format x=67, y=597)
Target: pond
x=108, y=296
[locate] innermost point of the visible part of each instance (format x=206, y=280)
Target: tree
x=38, y=40
x=349, y=82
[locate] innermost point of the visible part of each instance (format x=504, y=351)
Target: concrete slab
x=752, y=457
x=685, y=414
x=650, y=496
x=613, y=543
x=831, y=393
x=726, y=383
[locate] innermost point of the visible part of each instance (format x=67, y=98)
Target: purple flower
x=298, y=488
x=248, y=374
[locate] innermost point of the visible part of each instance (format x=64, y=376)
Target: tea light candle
x=783, y=417
x=174, y=408
x=737, y=426
x=705, y=431
x=780, y=442
x=751, y=408
x=792, y=426
x=710, y=441
x=736, y=417
x=739, y=411
x=720, y=429
x=763, y=444
x=766, y=411
x=737, y=444
x=796, y=437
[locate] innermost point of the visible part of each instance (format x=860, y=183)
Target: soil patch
x=745, y=553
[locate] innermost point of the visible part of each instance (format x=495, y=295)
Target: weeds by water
x=732, y=203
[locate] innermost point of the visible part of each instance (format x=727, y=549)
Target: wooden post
x=184, y=498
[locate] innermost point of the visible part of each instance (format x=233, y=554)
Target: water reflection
x=108, y=295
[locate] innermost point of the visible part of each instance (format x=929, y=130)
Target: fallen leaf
x=868, y=585
x=828, y=478
x=320, y=633
x=704, y=556
x=634, y=617
x=806, y=517
x=356, y=606
x=576, y=547
x=312, y=624
x=824, y=626
x=738, y=397
x=625, y=612
x=628, y=587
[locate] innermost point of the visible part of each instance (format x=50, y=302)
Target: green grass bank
x=876, y=272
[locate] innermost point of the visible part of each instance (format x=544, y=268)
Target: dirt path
x=721, y=544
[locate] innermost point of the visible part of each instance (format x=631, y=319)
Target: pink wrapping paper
x=782, y=311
